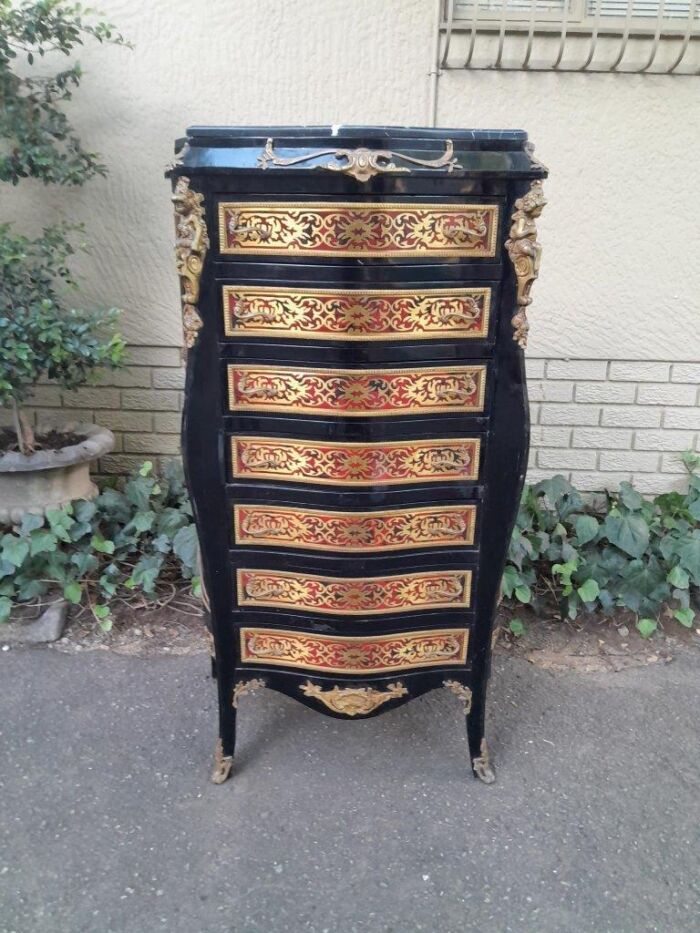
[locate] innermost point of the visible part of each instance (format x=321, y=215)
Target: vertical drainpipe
x=434, y=72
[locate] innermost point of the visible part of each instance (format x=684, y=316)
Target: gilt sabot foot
x=222, y=765
x=481, y=765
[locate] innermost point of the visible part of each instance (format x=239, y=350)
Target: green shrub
x=41, y=333
x=630, y=552
x=566, y=554
x=124, y=540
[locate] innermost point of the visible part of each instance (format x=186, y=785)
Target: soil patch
x=592, y=644
x=45, y=440
x=171, y=624
x=174, y=624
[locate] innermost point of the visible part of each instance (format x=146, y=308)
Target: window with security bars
x=580, y=12
x=583, y=35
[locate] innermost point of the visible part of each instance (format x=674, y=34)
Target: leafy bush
x=566, y=553
x=39, y=140
x=632, y=552
x=40, y=333
x=95, y=552
x=38, y=337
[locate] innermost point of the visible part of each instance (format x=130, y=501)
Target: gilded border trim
x=294, y=447
x=477, y=373
x=466, y=512
x=307, y=640
x=459, y=597
x=419, y=209
x=418, y=297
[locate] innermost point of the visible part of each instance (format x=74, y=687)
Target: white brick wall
x=625, y=420
x=598, y=422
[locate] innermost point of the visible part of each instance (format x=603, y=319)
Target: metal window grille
x=624, y=36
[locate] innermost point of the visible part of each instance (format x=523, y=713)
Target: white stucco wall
x=620, y=280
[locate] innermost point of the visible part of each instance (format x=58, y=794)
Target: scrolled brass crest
x=525, y=253
x=242, y=687
x=191, y=245
x=461, y=692
x=361, y=163
x=353, y=701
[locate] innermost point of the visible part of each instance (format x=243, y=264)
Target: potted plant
x=42, y=336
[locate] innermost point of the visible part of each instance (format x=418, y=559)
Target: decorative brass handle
x=461, y=317
x=361, y=163
x=240, y=312
x=449, y=463
x=249, y=527
x=260, y=589
x=453, y=528
x=456, y=395
x=445, y=590
x=452, y=230
x=353, y=701
x=251, y=388
x=264, y=231
x=259, y=459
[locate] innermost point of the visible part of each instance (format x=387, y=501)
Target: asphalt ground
x=108, y=821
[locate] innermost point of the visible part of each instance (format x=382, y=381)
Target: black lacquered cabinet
x=355, y=430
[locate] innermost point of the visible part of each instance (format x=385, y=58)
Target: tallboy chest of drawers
x=355, y=429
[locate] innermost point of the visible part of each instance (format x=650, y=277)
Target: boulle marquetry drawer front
x=356, y=314
x=345, y=655
x=355, y=305
x=355, y=464
x=357, y=228
x=447, y=589
x=368, y=392
x=354, y=532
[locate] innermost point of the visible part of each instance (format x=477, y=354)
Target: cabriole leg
x=226, y=744
x=478, y=749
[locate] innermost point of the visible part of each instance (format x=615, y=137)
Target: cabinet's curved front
x=355, y=428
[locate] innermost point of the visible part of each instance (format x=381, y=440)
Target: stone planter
x=49, y=479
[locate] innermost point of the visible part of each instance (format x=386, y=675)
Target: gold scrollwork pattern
x=461, y=692
x=241, y=687
x=361, y=163
x=353, y=228
x=356, y=314
x=355, y=532
x=525, y=254
x=355, y=464
x=343, y=595
x=353, y=701
x=370, y=392
x=191, y=245
x=354, y=655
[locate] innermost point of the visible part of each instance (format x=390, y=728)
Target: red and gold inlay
x=345, y=655
x=356, y=392
x=391, y=530
x=355, y=228
x=355, y=464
